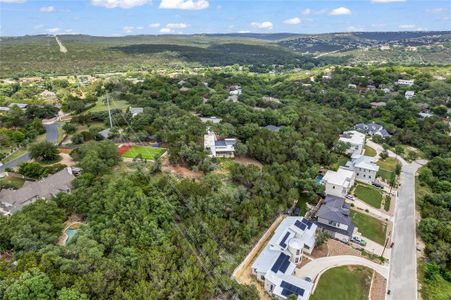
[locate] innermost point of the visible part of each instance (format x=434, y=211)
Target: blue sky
x=127, y=17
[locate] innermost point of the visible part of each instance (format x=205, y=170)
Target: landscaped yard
x=368, y=194
x=10, y=182
x=344, y=283
x=370, y=151
x=369, y=227
x=145, y=151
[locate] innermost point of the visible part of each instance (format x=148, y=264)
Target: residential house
x=49, y=96
x=364, y=167
x=19, y=105
x=424, y=115
x=338, y=183
x=409, y=94
x=106, y=133
x=372, y=129
x=407, y=82
x=213, y=120
x=219, y=147
x=276, y=264
x=136, y=111
x=4, y=109
x=333, y=217
x=352, y=86
x=273, y=128
x=356, y=141
x=378, y=104
x=12, y=201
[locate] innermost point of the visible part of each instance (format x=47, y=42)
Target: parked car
x=350, y=197
x=358, y=240
x=308, y=279
x=378, y=185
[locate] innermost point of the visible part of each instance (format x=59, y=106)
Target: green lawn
x=11, y=182
x=114, y=104
x=369, y=227
x=368, y=194
x=386, y=175
x=370, y=151
x=344, y=283
x=226, y=163
x=388, y=164
x=145, y=151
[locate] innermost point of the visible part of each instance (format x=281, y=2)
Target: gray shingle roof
x=335, y=209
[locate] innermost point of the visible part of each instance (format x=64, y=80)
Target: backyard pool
x=70, y=234
x=319, y=179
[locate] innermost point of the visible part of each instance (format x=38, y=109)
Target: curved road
x=319, y=265
x=51, y=136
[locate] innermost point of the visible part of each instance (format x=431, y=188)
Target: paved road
x=318, y=266
x=403, y=264
x=51, y=136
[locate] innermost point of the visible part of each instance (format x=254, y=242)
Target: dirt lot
x=332, y=248
x=178, y=170
x=378, y=286
x=243, y=160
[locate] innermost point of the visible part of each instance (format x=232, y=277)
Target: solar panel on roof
x=291, y=289
x=282, y=242
x=281, y=263
x=308, y=223
x=284, y=266
x=300, y=225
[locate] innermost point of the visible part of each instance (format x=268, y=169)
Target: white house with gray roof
x=333, y=217
x=372, y=129
x=364, y=167
x=276, y=264
x=12, y=201
x=136, y=111
x=219, y=147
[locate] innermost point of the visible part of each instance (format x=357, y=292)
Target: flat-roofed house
x=407, y=82
x=338, y=183
x=409, y=94
x=356, y=141
x=276, y=264
x=219, y=147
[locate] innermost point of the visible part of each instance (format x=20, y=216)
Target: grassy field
x=388, y=164
x=344, y=283
x=114, y=104
x=146, y=152
x=11, y=182
x=370, y=151
x=386, y=175
x=369, y=194
x=369, y=227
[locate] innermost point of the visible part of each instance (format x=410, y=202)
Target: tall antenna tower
x=109, y=110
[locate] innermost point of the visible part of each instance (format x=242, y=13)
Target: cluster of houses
x=276, y=265
x=372, y=129
x=22, y=106
x=12, y=201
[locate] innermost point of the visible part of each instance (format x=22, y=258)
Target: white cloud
x=262, y=25
x=139, y=28
x=154, y=25
x=128, y=29
x=307, y=12
x=47, y=9
x=13, y=1
x=438, y=11
x=184, y=4
x=407, y=26
x=340, y=11
x=387, y=1
x=119, y=3
x=176, y=25
x=244, y=31
x=292, y=21
x=165, y=30
x=53, y=30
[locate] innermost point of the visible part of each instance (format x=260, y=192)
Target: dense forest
x=148, y=234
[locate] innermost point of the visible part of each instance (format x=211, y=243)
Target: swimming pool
x=70, y=234
x=319, y=179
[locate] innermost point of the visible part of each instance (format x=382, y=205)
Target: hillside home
x=409, y=94
x=19, y=105
x=352, y=86
x=356, y=141
x=333, y=217
x=405, y=82
x=273, y=128
x=49, y=96
x=219, y=148
x=12, y=201
x=372, y=129
x=213, y=120
x=364, y=167
x=276, y=264
x=136, y=111
x=338, y=183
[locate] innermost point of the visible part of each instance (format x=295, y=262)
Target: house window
x=271, y=287
x=357, y=174
x=296, y=260
x=306, y=247
x=369, y=177
x=262, y=277
x=298, y=251
x=333, y=223
x=333, y=187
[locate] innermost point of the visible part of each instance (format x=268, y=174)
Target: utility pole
x=109, y=111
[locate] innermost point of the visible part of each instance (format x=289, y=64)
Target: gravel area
x=378, y=287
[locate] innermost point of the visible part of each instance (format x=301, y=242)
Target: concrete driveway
x=318, y=266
